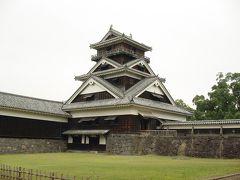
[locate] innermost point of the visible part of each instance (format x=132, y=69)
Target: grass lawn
x=124, y=167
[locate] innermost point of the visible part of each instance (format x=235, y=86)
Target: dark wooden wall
x=141, y=68
x=123, y=82
x=30, y=128
x=125, y=123
x=103, y=67
x=122, y=58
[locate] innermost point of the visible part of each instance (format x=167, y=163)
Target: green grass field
x=124, y=167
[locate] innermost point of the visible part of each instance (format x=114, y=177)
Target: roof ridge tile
x=30, y=97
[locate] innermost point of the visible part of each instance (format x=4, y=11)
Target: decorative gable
x=92, y=96
x=157, y=92
x=111, y=34
x=104, y=64
x=142, y=66
x=89, y=89
x=155, y=89
x=92, y=87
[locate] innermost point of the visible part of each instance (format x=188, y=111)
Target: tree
x=223, y=101
x=180, y=103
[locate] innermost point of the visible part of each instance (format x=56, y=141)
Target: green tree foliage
x=180, y=103
x=223, y=101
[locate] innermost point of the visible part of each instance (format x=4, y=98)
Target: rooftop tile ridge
x=220, y=121
x=29, y=97
x=162, y=103
x=127, y=37
x=215, y=120
x=83, y=75
x=94, y=101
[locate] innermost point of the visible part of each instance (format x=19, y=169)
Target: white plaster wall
x=92, y=89
x=154, y=89
x=31, y=115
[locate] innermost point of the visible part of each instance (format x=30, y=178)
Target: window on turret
x=123, y=82
x=109, y=48
x=141, y=68
x=133, y=50
x=122, y=58
x=89, y=97
x=155, y=97
x=92, y=97
x=103, y=67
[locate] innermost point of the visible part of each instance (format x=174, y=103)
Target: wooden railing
x=19, y=173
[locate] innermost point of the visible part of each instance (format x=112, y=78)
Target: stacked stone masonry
x=171, y=144
x=22, y=145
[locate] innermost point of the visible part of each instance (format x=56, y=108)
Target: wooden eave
x=112, y=71
x=132, y=104
x=36, y=112
x=120, y=39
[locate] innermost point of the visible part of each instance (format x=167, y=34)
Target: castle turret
x=120, y=93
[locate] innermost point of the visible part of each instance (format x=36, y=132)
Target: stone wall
x=171, y=144
x=23, y=145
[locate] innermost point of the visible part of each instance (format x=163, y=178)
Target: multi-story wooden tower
x=120, y=94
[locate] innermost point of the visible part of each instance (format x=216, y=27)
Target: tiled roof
x=96, y=104
x=126, y=101
x=19, y=102
x=120, y=39
x=120, y=68
x=127, y=97
x=85, y=132
x=112, y=71
x=160, y=105
x=205, y=122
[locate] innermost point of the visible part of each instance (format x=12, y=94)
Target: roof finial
x=111, y=27
x=131, y=35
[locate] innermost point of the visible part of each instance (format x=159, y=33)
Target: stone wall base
x=207, y=146
x=24, y=145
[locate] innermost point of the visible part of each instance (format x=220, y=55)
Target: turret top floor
x=119, y=47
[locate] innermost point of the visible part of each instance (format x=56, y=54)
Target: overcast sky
x=45, y=43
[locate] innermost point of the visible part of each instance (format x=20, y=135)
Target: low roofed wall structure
x=169, y=143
